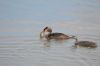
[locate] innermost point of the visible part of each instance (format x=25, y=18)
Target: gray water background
x=22, y=21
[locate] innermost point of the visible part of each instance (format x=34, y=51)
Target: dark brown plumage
x=89, y=44
x=59, y=36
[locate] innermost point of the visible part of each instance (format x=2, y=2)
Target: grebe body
x=89, y=44
x=47, y=33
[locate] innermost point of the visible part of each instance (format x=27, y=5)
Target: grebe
x=89, y=44
x=47, y=33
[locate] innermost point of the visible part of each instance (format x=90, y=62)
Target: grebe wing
x=56, y=34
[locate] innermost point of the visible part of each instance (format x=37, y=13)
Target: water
x=20, y=44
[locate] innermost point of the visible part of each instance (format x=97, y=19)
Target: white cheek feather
x=46, y=33
x=42, y=34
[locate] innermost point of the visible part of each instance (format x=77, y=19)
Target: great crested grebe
x=47, y=33
x=89, y=44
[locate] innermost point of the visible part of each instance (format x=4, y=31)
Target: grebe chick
x=47, y=33
x=89, y=44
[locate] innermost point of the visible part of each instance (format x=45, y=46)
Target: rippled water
x=20, y=44
x=22, y=47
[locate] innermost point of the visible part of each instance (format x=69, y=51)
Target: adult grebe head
x=46, y=31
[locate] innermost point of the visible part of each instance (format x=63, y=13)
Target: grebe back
x=89, y=44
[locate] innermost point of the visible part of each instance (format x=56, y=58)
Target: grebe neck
x=44, y=34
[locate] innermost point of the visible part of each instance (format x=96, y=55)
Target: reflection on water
x=20, y=44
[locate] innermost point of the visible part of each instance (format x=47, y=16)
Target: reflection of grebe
x=47, y=33
x=85, y=44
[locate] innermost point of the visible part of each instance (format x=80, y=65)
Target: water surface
x=20, y=26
